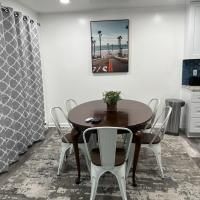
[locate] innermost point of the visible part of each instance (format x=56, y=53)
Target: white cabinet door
x=193, y=32
x=196, y=40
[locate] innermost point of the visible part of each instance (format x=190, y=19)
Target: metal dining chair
x=69, y=104
x=108, y=156
x=65, y=136
x=152, y=139
x=154, y=104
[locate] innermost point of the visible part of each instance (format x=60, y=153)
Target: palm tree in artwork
x=120, y=45
x=127, y=30
x=108, y=47
x=112, y=46
x=94, y=47
x=100, y=35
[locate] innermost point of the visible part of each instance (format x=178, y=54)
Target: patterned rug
x=37, y=179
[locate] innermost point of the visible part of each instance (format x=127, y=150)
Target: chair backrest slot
x=107, y=139
x=69, y=104
x=154, y=105
x=164, y=117
x=56, y=114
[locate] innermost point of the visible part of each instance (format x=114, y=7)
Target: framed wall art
x=110, y=45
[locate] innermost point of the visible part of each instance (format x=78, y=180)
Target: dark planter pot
x=111, y=107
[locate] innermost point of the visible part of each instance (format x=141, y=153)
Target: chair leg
x=94, y=181
x=83, y=150
x=87, y=162
x=130, y=159
x=122, y=187
x=122, y=182
x=62, y=157
x=71, y=150
x=157, y=151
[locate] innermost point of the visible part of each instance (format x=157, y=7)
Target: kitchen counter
x=192, y=88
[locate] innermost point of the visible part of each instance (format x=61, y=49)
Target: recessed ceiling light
x=157, y=18
x=82, y=21
x=65, y=1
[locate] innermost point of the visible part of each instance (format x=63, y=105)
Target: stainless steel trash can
x=174, y=120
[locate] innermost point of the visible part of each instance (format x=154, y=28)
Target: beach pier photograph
x=109, y=46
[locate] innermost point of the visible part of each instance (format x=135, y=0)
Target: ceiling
x=49, y=6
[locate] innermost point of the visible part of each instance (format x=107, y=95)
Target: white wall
x=19, y=7
x=156, y=52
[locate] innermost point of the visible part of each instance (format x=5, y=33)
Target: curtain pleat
x=22, y=105
x=3, y=98
x=38, y=101
x=29, y=78
x=11, y=105
x=24, y=140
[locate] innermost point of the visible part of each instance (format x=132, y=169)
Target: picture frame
x=110, y=46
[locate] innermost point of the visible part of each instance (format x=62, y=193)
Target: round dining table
x=130, y=114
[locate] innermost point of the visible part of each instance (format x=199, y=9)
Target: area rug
x=37, y=179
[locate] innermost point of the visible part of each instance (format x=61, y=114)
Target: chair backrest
x=69, y=104
x=164, y=116
x=56, y=114
x=154, y=105
x=107, y=138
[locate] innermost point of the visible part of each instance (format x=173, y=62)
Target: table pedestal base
x=75, y=136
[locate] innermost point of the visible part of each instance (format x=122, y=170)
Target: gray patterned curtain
x=21, y=91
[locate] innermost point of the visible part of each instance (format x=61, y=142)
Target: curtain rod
x=16, y=14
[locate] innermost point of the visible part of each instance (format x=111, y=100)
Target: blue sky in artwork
x=111, y=29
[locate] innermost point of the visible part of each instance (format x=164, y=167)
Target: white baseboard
x=50, y=125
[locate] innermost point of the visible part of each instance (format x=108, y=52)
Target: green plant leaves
x=111, y=97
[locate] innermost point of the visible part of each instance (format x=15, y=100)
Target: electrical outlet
x=194, y=72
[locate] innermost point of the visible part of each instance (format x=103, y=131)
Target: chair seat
x=147, y=138
x=119, y=157
x=148, y=126
x=68, y=136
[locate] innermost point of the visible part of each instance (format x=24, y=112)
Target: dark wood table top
x=131, y=114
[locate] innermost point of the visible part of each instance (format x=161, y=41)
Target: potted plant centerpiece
x=111, y=98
